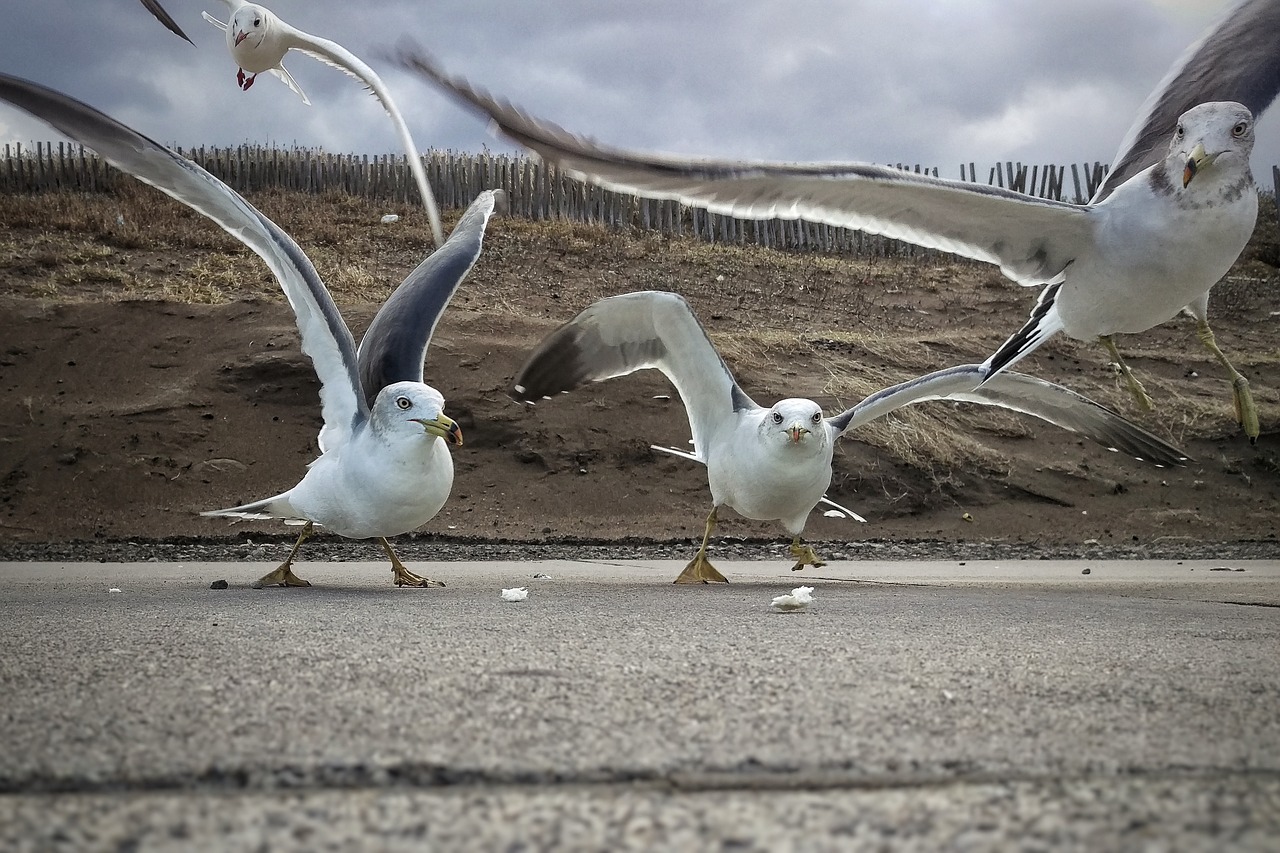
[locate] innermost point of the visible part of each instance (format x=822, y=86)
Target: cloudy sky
x=935, y=82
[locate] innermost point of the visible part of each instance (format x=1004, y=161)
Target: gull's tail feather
x=850, y=513
x=1044, y=323
x=211, y=19
x=275, y=507
x=675, y=451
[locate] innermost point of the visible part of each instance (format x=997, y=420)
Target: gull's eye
x=404, y=402
x=817, y=417
x=777, y=417
x=257, y=22
x=1240, y=128
x=1182, y=131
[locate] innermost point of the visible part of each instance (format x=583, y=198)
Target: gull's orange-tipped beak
x=1198, y=160
x=241, y=35
x=443, y=427
x=797, y=432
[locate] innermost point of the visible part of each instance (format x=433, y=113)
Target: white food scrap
x=799, y=599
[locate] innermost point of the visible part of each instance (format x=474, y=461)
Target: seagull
x=154, y=7
x=1176, y=210
x=258, y=40
x=384, y=466
x=774, y=464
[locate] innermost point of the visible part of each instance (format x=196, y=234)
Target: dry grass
x=864, y=323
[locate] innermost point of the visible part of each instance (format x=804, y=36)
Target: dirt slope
x=126, y=408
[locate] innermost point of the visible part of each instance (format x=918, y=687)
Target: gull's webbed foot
x=700, y=570
x=404, y=577
x=1246, y=409
x=1140, y=394
x=282, y=576
x=400, y=575
x=1241, y=397
x=804, y=555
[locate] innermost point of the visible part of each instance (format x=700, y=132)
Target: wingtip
x=521, y=395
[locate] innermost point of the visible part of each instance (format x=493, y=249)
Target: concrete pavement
x=914, y=705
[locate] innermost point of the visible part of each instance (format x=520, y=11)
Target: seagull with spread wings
x=1175, y=211
x=774, y=464
x=384, y=467
x=258, y=40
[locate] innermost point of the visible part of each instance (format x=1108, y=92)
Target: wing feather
x=619, y=335
x=1238, y=59
x=325, y=337
x=1021, y=393
x=332, y=53
x=1031, y=239
x=154, y=7
x=394, y=346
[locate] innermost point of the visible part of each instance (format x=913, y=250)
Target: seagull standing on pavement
x=384, y=467
x=774, y=464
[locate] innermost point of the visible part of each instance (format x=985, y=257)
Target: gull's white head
x=795, y=424
x=1212, y=138
x=411, y=409
x=249, y=25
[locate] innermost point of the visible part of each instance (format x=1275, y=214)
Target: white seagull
x=258, y=40
x=385, y=467
x=774, y=464
x=1174, y=213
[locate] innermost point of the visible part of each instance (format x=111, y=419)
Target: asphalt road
x=910, y=706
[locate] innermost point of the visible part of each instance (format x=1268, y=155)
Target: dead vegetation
x=789, y=323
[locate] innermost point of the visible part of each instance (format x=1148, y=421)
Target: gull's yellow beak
x=1198, y=160
x=797, y=431
x=444, y=427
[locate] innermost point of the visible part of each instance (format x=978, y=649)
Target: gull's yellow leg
x=700, y=569
x=1139, y=393
x=283, y=575
x=804, y=555
x=1242, y=398
x=401, y=575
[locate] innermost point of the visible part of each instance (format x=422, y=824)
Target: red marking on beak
x=797, y=432
x=241, y=36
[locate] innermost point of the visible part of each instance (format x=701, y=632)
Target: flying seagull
x=258, y=40
x=1177, y=208
x=154, y=7
x=774, y=464
x=385, y=467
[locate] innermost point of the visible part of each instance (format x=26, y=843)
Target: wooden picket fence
x=537, y=191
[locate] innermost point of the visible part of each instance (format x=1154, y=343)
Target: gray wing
x=333, y=54
x=1238, y=59
x=163, y=17
x=394, y=346
x=1021, y=393
x=325, y=337
x=622, y=334
x=1031, y=239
